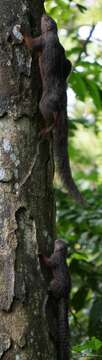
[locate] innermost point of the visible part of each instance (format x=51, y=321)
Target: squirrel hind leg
x=48, y=118
x=43, y=108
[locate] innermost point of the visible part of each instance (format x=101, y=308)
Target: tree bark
x=26, y=192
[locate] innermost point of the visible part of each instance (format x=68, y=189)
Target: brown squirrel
x=54, y=70
x=57, y=301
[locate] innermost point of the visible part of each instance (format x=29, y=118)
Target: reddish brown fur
x=54, y=69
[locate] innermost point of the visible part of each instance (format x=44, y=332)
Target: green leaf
x=92, y=344
x=79, y=256
x=78, y=85
x=94, y=93
x=79, y=298
x=95, y=320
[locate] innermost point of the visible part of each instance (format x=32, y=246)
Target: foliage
x=87, y=348
x=82, y=230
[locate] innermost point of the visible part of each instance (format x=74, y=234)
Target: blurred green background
x=80, y=32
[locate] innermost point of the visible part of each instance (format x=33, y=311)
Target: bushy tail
x=60, y=137
x=63, y=329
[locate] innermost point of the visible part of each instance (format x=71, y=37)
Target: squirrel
x=57, y=301
x=54, y=70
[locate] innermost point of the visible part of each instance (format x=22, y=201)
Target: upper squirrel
x=54, y=70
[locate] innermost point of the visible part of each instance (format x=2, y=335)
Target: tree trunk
x=26, y=193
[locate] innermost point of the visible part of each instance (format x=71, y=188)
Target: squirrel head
x=60, y=245
x=48, y=24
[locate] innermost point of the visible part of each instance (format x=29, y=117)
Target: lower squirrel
x=57, y=301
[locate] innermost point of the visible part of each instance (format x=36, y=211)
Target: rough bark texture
x=26, y=194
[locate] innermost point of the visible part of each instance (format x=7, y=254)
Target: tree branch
x=84, y=48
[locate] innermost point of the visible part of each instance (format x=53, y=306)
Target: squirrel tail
x=58, y=327
x=63, y=328
x=60, y=139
